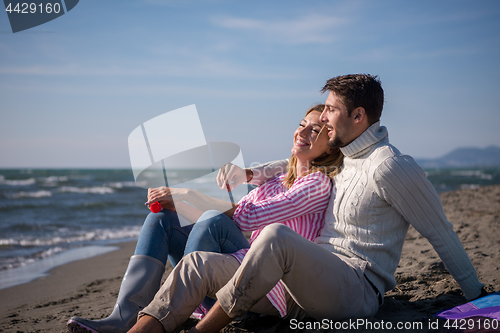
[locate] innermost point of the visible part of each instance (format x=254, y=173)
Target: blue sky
x=73, y=89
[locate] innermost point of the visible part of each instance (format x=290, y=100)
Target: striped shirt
x=301, y=208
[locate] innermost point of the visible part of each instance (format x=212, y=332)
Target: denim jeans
x=163, y=237
x=216, y=232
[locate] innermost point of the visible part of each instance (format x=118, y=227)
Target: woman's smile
x=300, y=142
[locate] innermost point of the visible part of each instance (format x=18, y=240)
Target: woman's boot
x=139, y=286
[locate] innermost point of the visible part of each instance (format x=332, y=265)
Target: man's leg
x=323, y=284
x=215, y=232
x=147, y=324
x=197, y=275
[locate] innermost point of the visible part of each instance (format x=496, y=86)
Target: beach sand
x=89, y=287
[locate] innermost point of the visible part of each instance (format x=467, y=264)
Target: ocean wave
x=87, y=190
x=17, y=182
x=55, y=179
x=125, y=184
x=85, y=236
x=49, y=247
x=35, y=194
x=50, y=252
x=469, y=186
x=472, y=173
x=9, y=263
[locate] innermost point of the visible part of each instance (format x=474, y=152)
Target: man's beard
x=335, y=143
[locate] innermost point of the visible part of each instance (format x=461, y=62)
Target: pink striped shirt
x=302, y=208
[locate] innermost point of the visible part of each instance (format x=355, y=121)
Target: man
x=348, y=268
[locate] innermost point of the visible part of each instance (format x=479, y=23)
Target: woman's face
x=309, y=140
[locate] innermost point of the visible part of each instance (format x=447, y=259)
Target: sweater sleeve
x=266, y=171
x=404, y=186
x=309, y=194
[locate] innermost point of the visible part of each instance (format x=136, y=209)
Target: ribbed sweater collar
x=373, y=135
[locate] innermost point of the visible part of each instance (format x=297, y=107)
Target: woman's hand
x=165, y=196
x=231, y=175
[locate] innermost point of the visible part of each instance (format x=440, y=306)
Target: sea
x=49, y=217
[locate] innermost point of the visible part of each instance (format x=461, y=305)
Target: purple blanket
x=487, y=306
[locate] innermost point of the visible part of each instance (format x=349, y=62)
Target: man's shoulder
x=384, y=152
x=391, y=158
x=390, y=165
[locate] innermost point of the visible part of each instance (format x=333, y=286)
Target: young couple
x=306, y=262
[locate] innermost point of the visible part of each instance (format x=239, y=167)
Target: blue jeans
x=163, y=237
x=216, y=232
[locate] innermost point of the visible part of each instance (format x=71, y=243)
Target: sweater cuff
x=258, y=177
x=471, y=287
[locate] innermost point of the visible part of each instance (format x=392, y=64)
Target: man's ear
x=359, y=114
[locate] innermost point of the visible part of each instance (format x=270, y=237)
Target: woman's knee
x=164, y=218
x=209, y=220
x=211, y=215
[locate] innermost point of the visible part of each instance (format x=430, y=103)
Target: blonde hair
x=328, y=164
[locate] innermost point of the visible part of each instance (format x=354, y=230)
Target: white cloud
x=204, y=66
x=308, y=29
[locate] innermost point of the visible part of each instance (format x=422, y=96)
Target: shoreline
x=40, y=268
x=66, y=278
x=89, y=287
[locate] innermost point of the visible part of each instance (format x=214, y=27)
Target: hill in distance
x=465, y=158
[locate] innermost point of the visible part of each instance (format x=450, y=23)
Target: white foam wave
x=472, y=173
x=50, y=252
x=36, y=194
x=17, y=182
x=469, y=186
x=87, y=190
x=97, y=235
x=125, y=184
x=54, y=180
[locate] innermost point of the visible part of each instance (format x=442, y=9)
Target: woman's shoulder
x=277, y=178
x=317, y=177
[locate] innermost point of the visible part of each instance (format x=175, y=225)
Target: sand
x=89, y=287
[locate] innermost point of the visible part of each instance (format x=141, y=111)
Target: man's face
x=339, y=125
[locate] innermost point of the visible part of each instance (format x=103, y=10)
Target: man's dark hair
x=358, y=90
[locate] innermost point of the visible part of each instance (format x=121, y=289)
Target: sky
x=72, y=90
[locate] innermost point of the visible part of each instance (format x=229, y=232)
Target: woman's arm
x=204, y=202
x=307, y=195
x=190, y=213
x=231, y=175
x=263, y=172
x=176, y=198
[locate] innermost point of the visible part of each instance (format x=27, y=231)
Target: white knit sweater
x=379, y=193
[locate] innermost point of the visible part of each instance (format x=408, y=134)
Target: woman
x=296, y=199
x=161, y=236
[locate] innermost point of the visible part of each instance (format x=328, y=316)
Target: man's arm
x=403, y=184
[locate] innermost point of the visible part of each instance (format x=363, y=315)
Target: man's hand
x=231, y=175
